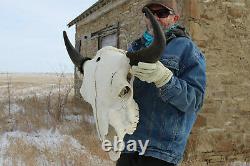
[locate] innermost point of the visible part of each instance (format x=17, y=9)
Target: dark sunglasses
x=161, y=13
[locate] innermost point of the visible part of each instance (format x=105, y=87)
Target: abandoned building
x=116, y=23
x=219, y=28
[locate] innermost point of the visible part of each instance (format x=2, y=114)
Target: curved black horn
x=74, y=55
x=153, y=53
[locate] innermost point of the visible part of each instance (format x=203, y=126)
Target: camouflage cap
x=169, y=4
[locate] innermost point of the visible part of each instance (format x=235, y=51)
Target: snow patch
x=208, y=1
x=45, y=141
x=42, y=139
x=73, y=118
x=14, y=108
x=90, y=119
x=239, y=163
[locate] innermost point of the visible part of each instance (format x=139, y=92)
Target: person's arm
x=186, y=92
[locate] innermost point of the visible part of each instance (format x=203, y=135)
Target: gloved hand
x=152, y=72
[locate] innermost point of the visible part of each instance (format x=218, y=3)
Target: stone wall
x=221, y=29
x=222, y=131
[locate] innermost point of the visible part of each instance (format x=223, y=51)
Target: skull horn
x=74, y=55
x=153, y=53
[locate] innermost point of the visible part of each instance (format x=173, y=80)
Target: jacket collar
x=174, y=31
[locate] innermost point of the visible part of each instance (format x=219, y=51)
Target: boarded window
x=108, y=40
x=107, y=36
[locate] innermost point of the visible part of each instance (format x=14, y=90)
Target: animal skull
x=105, y=85
x=106, y=88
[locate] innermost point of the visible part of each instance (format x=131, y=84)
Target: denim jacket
x=167, y=114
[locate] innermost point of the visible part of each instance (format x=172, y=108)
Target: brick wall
x=221, y=29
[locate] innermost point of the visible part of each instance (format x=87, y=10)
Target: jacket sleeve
x=186, y=91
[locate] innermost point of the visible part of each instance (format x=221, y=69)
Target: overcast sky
x=31, y=34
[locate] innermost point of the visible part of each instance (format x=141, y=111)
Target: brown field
x=40, y=109
x=43, y=124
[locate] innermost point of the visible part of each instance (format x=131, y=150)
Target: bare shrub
x=9, y=92
x=56, y=107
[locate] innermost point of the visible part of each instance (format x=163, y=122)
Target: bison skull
x=106, y=88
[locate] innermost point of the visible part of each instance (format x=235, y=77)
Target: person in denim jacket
x=169, y=93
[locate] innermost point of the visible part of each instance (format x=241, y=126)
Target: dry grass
x=31, y=94
x=29, y=154
x=37, y=114
x=36, y=117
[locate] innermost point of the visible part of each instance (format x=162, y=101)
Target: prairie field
x=43, y=124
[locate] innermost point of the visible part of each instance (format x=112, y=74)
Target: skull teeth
x=131, y=129
x=133, y=125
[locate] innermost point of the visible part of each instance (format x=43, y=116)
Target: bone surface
x=106, y=88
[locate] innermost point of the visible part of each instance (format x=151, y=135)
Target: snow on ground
x=239, y=163
x=41, y=91
x=14, y=108
x=45, y=148
x=90, y=119
x=28, y=85
x=73, y=118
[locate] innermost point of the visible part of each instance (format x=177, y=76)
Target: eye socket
x=98, y=59
x=129, y=77
x=124, y=92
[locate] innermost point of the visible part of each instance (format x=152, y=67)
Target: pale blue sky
x=31, y=34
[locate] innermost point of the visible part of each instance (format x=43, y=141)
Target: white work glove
x=152, y=72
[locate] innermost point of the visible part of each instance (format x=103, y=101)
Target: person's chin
x=164, y=28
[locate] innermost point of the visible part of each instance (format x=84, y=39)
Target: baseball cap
x=168, y=4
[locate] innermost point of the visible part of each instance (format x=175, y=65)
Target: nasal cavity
x=124, y=92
